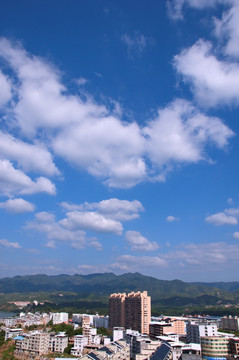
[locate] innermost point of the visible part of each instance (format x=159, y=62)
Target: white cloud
x=29, y=156
x=232, y=211
x=228, y=28
x=236, y=235
x=139, y=243
x=6, y=243
x=81, y=81
x=171, y=218
x=5, y=89
x=204, y=254
x=180, y=133
x=116, y=209
x=214, y=82
x=91, y=137
x=106, y=148
x=175, y=7
x=137, y=263
x=136, y=43
x=17, y=206
x=46, y=223
x=190, y=256
x=91, y=221
x=13, y=181
x=221, y=219
x=227, y=217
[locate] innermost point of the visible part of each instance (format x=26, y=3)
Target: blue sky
x=119, y=138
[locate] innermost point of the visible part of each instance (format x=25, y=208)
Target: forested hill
x=107, y=283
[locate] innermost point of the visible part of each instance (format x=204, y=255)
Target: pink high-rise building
x=132, y=311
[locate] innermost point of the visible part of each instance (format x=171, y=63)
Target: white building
x=80, y=342
x=60, y=342
x=11, y=333
x=59, y=318
x=34, y=343
x=118, y=333
x=197, y=329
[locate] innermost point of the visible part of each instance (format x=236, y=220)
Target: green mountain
x=97, y=287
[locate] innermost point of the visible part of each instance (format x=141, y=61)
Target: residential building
x=197, y=329
x=59, y=318
x=58, y=342
x=33, y=344
x=230, y=323
x=100, y=321
x=234, y=346
x=132, y=311
x=214, y=347
x=118, y=333
x=117, y=310
x=11, y=333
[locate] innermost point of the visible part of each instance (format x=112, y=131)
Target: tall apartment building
x=132, y=311
x=117, y=310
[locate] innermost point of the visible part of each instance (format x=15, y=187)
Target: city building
x=214, y=348
x=118, y=333
x=58, y=342
x=230, y=323
x=158, y=328
x=117, y=310
x=195, y=330
x=59, y=318
x=132, y=311
x=32, y=345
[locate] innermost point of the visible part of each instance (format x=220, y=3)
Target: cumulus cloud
x=46, y=223
x=221, y=219
x=227, y=29
x=180, y=133
x=227, y=217
x=116, y=209
x=105, y=217
x=17, y=206
x=91, y=221
x=14, y=181
x=92, y=137
x=139, y=243
x=31, y=157
x=214, y=82
x=8, y=244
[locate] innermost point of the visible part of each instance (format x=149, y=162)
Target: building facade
x=132, y=311
x=214, y=348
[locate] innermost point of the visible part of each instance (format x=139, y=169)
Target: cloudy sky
x=119, y=138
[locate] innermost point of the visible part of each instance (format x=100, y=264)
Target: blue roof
x=18, y=338
x=162, y=352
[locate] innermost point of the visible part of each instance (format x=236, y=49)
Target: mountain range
x=164, y=293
